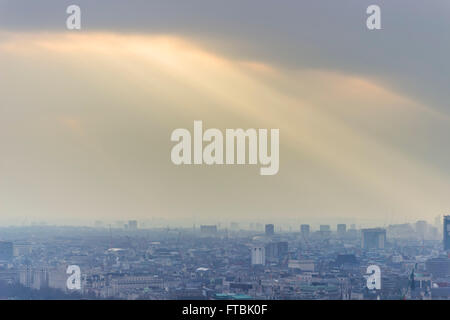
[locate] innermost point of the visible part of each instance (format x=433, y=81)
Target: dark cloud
x=410, y=53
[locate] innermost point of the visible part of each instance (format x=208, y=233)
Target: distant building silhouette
x=324, y=231
x=276, y=250
x=258, y=255
x=6, y=250
x=341, y=229
x=208, y=229
x=374, y=238
x=438, y=267
x=305, y=229
x=132, y=225
x=270, y=230
x=447, y=233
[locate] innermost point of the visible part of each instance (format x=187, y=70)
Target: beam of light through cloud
x=101, y=106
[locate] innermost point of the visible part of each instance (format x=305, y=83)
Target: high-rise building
x=438, y=267
x=57, y=278
x=341, y=229
x=447, y=233
x=258, y=255
x=132, y=225
x=36, y=278
x=374, y=238
x=208, y=229
x=276, y=250
x=6, y=250
x=304, y=229
x=352, y=233
x=270, y=230
x=324, y=231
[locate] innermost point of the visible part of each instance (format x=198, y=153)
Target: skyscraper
x=341, y=229
x=270, y=230
x=446, y=233
x=304, y=229
x=325, y=231
x=276, y=250
x=374, y=238
x=6, y=250
x=132, y=225
x=258, y=255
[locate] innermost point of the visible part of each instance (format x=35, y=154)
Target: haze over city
x=224, y=158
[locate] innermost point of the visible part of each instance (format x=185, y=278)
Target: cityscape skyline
x=412, y=262
x=223, y=223
x=230, y=152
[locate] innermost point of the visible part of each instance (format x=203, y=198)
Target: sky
x=86, y=116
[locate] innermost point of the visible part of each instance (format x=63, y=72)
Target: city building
x=22, y=249
x=35, y=278
x=302, y=265
x=57, y=278
x=258, y=255
x=341, y=229
x=352, y=233
x=324, y=231
x=438, y=267
x=447, y=233
x=374, y=238
x=270, y=230
x=125, y=284
x=276, y=250
x=208, y=229
x=305, y=229
x=6, y=251
x=132, y=225
x=346, y=261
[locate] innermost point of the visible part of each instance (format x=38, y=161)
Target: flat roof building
x=374, y=238
x=270, y=230
x=6, y=250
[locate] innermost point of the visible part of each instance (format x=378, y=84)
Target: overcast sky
x=86, y=116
